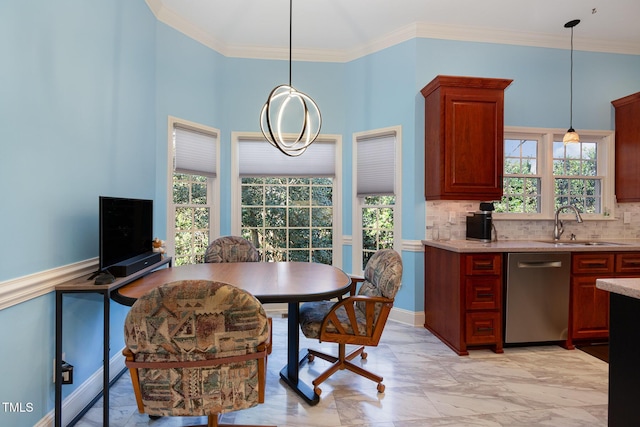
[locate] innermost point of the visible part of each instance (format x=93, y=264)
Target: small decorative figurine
x=158, y=246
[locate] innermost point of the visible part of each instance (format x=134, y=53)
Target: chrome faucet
x=558, y=228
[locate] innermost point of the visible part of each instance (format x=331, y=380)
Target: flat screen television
x=126, y=228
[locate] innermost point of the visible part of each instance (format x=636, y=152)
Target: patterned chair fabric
x=382, y=278
x=231, y=249
x=194, y=325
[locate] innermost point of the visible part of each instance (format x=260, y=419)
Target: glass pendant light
x=571, y=135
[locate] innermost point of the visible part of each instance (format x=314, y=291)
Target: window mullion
x=547, y=182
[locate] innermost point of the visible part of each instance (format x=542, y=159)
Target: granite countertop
x=604, y=245
x=627, y=286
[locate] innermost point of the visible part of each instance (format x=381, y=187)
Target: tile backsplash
x=452, y=214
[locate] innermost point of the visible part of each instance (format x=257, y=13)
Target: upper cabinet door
x=627, y=148
x=464, y=122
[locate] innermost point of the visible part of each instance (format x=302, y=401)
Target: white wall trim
x=21, y=289
x=406, y=317
x=412, y=246
x=406, y=245
x=82, y=396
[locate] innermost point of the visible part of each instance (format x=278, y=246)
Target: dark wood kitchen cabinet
x=463, y=299
x=627, y=181
x=589, y=310
x=589, y=306
x=464, y=147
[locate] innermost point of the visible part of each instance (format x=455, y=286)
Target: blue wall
x=77, y=97
x=85, y=91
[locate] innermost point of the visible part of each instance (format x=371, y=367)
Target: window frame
x=236, y=186
x=358, y=201
x=213, y=183
x=546, y=136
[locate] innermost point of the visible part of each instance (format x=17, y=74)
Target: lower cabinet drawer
x=483, y=328
x=628, y=263
x=483, y=293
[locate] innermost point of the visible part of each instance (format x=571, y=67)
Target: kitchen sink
x=580, y=243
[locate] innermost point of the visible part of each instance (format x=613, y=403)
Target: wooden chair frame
x=373, y=331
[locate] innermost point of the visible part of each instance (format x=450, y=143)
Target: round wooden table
x=269, y=282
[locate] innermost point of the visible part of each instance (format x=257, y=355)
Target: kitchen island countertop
x=624, y=286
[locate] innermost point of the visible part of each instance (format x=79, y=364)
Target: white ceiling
x=346, y=29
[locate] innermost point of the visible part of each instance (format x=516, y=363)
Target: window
x=377, y=183
x=289, y=219
x=541, y=173
x=377, y=225
x=193, y=168
x=288, y=204
x=575, y=172
x=192, y=212
x=521, y=186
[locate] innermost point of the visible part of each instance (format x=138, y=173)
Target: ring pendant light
x=285, y=106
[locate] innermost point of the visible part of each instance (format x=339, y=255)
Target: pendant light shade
x=290, y=112
x=571, y=135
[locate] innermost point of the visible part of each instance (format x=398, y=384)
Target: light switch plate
x=626, y=217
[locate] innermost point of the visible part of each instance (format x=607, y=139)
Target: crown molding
x=519, y=38
x=408, y=32
x=178, y=23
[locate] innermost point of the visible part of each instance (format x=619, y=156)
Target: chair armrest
x=267, y=344
x=374, y=324
x=355, y=279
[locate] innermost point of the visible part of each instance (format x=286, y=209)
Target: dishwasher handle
x=539, y=264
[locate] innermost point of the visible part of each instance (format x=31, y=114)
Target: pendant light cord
x=571, y=86
x=290, y=38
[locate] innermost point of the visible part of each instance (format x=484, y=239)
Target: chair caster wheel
x=381, y=388
x=310, y=357
x=364, y=355
x=317, y=391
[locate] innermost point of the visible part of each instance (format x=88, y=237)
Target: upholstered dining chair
x=197, y=348
x=358, y=319
x=231, y=249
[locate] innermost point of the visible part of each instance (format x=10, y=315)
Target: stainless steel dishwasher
x=537, y=297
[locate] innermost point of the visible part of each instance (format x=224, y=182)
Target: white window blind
x=195, y=152
x=259, y=158
x=376, y=163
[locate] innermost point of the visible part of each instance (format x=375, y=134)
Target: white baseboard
x=82, y=396
x=411, y=318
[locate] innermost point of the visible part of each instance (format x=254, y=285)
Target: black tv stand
x=80, y=285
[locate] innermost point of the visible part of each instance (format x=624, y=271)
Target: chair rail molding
x=21, y=289
x=407, y=245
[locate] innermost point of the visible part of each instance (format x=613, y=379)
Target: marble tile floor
x=427, y=384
